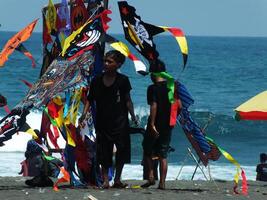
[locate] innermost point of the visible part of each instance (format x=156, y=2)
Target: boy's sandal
x=119, y=185
x=148, y=184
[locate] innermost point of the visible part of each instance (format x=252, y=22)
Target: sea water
x=221, y=73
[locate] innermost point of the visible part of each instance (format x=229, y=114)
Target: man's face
x=110, y=64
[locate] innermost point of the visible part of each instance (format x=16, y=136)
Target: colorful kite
x=61, y=75
x=14, y=122
x=15, y=41
x=140, y=34
x=204, y=146
x=121, y=47
x=85, y=37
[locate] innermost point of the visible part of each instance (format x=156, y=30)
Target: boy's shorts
x=157, y=146
x=105, y=146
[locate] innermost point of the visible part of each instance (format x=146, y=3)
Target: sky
x=194, y=17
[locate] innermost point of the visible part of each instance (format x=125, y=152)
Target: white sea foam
x=10, y=166
x=13, y=153
x=217, y=172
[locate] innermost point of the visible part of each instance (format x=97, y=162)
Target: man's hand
x=135, y=120
x=153, y=131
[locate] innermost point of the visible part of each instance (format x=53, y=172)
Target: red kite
x=15, y=41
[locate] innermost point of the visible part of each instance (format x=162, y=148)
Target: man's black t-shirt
x=111, y=109
x=158, y=93
x=261, y=172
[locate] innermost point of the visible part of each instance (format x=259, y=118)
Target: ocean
x=222, y=73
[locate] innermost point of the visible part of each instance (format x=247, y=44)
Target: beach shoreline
x=14, y=188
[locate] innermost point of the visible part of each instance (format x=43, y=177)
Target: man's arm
x=153, y=113
x=85, y=110
x=129, y=104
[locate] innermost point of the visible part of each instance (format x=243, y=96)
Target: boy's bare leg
x=163, y=172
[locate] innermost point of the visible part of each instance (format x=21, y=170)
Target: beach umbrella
x=253, y=109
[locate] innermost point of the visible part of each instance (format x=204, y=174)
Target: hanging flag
x=121, y=47
x=51, y=17
x=15, y=41
x=21, y=48
x=46, y=36
x=79, y=14
x=63, y=19
x=140, y=34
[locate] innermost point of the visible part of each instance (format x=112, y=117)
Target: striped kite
x=123, y=48
x=140, y=34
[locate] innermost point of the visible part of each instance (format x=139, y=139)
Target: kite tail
x=7, y=109
x=244, y=183
x=238, y=169
x=64, y=179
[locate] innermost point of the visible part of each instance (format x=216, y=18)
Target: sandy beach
x=14, y=188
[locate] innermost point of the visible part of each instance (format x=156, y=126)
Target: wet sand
x=14, y=188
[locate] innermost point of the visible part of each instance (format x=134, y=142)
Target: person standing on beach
x=110, y=92
x=158, y=133
x=262, y=168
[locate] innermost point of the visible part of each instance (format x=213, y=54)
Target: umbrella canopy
x=253, y=109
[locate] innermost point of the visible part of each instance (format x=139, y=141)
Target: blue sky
x=195, y=17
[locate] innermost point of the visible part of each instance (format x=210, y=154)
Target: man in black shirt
x=158, y=134
x=262, y=168
x=110, y=92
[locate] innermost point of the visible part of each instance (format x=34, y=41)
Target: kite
x=12, y=123
x=204, y=146
x=21, y=48
x=85, y=37
x=15, y=41
x=61, y=75
x=121, y=47
x=140, y=34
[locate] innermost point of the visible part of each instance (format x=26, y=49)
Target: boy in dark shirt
x=158, y=134
x=111, y=94
x=262, y=168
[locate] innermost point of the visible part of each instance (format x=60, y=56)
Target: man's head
x=263, y=157
x=156, y=66
x=113, y=60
